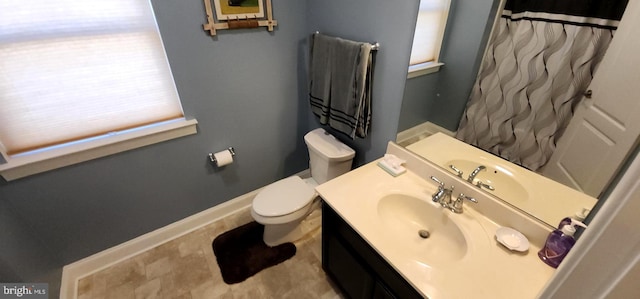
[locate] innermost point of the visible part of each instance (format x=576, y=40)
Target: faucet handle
x=457, y=171
x=457, y=205
x=435, y=179
x=481, y=185
x=462, y=197
x=442, y=195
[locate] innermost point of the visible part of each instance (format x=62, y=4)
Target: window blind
x=75, y=69
x=429, y=31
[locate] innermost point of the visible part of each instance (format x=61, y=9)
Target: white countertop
x=488, y=270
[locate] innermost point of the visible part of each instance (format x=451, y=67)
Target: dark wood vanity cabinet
x=355, y=266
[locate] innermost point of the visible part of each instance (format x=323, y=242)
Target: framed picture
x=237, y=14
x=239, y=9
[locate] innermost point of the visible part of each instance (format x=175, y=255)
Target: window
x=427, y=39
x=77, y=75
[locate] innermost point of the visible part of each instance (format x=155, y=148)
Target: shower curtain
x=539, y=62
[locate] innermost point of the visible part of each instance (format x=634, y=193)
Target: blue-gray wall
x=247, y=89
x=441, y=97
x=390, y=23
x=25, y=255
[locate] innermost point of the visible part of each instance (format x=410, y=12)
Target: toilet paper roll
x=223, y=158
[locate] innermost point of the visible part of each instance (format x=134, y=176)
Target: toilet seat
x=283, y=197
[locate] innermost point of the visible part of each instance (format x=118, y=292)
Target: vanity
x=351, y=262
x=374, y=244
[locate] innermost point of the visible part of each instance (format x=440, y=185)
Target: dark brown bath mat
x=241, y=252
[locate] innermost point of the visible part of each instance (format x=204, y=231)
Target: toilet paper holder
x=212, y=158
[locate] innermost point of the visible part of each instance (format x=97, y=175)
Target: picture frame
x=238, y=14
x=238, y=9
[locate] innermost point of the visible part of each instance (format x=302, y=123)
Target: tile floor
x=186, y=268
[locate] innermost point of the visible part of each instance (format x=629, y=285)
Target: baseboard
x=419, y=132
x=73, y=272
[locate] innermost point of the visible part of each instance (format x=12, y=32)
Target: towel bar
x=374, y=47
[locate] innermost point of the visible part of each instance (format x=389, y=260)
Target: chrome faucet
x=475, y=173
x=443, y=195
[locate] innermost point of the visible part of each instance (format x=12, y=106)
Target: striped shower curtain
x=539, y=62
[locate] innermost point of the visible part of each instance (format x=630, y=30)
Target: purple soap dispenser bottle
x=559, y=243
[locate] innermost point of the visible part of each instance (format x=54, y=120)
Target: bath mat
x=241, y=252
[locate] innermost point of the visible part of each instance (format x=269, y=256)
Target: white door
x=606, y=127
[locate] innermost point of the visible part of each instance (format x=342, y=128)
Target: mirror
x=440, y=98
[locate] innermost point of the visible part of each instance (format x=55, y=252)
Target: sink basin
x=498, y=176
x=403, y=216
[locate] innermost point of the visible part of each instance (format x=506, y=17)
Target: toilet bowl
x=282, y=207
x=289, y=208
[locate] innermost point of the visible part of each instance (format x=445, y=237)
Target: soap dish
x=512, y=239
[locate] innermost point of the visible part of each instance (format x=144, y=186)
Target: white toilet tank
x=328, y=157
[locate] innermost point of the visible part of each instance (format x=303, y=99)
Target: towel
x=340, y=74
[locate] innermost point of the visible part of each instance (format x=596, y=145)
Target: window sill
x=423, y=69
x=26, y=164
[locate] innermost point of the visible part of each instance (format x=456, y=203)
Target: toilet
x=289, y=208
